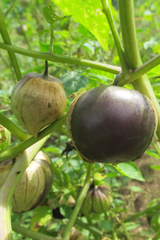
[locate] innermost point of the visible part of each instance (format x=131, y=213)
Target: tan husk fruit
x=34, y=184
x=111, y=124
x=38, y=100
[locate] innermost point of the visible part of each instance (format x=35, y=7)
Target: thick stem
x=67, y=231
x=142, y=84
x=62, y=59
x=139, y=71
x=13, y=128
x=7, y=40
x=125, y=231
x=15, y=151
x=9, y=185
x=108, y=13
x=30, y=234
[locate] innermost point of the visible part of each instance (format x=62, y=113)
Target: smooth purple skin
x=111, y=124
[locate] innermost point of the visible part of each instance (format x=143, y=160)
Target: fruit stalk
x=9, y=185
x=66, y=233
x=142, y=84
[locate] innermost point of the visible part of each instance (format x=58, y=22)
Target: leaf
x=89, y=14
x=106, y=225
x=44, y=47
x=130, y=170
x=66, y=211
x=136, y=189
x=156, y=167
x=57, y=49
x=152, y=153
x=132, y=225
x=50, y=16
x=42, y=215
x=99, y=176
x=63, y=177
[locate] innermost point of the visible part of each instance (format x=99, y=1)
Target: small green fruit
x=111, y=124
x=38, y=100
x=5, y=138
x=98, y=199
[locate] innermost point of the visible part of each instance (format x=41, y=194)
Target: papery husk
x=38, y=101
x=34, y=184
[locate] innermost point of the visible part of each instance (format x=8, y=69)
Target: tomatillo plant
x=110, y=125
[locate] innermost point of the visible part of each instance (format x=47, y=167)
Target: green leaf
x=156, y=167
x=136, y=189
x=132, y=225
x=66, y=211
x=130, y=170
x=106, y=225
x=63, y=177
x=44, y=47
x=57, y=49
x=89, y=14
x=50, y=16
x=42, y=215
x=152, y=153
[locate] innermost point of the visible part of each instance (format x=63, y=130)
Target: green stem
x=125, y=231
x=157, y=236
x=67, y=231
x=13, y=128
x=139, y=71
x=92, y=229
x=108, y=13
x=10, y=8
x=15, y=151
x=142, y=84
x=9, y=185
x=30, y=234
x=51, y=40
x=7, y=40
x=62, y=59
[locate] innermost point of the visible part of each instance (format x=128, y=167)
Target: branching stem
x=62, y=59
x=7, y=40
x=15, y=151
x=9, y=185
x=13, y=128
x=67, y=231
x=109, y=16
